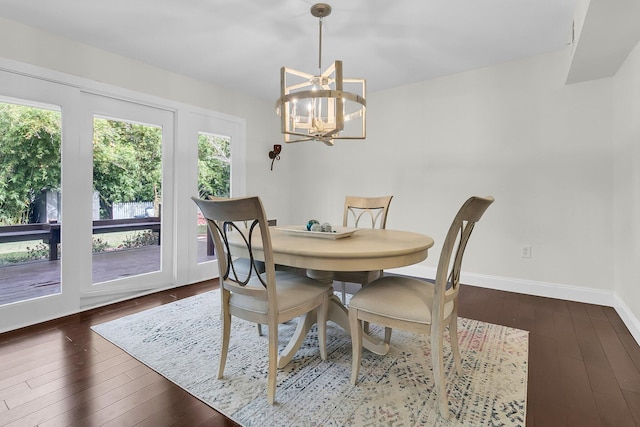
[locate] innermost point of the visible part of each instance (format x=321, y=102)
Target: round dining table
x=320, y=254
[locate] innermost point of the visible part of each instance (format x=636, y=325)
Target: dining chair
x=370, y=212
x=419, y=306
x=270, y=298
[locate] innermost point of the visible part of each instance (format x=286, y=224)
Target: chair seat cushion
x=292, y=290
x=402, y=298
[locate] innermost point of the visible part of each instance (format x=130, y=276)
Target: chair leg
x=455, y=347
x=259, y=325
x=356, y=344
x=321, y=320
x=226, y=333
x=273, y=363
x=365, y=327
x=438, y=371
x=387, y=334
x=344, y=293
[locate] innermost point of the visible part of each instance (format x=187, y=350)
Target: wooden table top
x=366, y=249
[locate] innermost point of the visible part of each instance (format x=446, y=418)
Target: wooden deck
x=35, y=279
x=28, y=280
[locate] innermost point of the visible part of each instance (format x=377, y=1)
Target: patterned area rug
x=180, y=341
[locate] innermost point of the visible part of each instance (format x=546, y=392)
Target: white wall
x=514, y=131
x=626, y=135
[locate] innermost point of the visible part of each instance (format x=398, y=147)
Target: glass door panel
x=30, y=200
x=211, y=162
x=127, y=199
x=214, y=179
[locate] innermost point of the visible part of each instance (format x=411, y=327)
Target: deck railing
x=50, y=233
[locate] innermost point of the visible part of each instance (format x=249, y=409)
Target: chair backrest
x=455, y=243
x=243, y=218
x=371, y=210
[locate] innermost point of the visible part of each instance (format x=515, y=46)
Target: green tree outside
x=29, y=158
x=127, y=161
x=214, y=166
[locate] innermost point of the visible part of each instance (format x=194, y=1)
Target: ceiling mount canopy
x=323, y=106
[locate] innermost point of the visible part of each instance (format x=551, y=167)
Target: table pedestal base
x=338, y=314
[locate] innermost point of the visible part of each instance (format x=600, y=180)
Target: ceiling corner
x=610, y=32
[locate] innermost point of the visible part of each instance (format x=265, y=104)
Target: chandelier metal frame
x=318, y=107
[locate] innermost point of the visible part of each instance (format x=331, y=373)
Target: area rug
x=180, y=341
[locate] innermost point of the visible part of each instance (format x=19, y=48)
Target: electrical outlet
x=525, y=251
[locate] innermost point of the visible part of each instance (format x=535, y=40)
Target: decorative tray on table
x=339, y=233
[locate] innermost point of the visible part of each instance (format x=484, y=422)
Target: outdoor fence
x=132, y=210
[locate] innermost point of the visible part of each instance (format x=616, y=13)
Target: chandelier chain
x=320, y=47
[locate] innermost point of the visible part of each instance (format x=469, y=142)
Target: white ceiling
x=241, y=44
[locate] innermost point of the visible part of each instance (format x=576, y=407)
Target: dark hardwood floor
x=584, y=367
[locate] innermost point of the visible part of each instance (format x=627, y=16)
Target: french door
x=128, y=164
x=44, y=293
x=128, y=202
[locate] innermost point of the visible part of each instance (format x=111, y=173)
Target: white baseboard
x=542, y=289
x=627, y=316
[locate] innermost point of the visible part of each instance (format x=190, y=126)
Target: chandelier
x=322, y=107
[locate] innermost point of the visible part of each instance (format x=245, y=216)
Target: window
x=81, y=111
x=214, y=179
x=30, y=200
x=127, y=184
